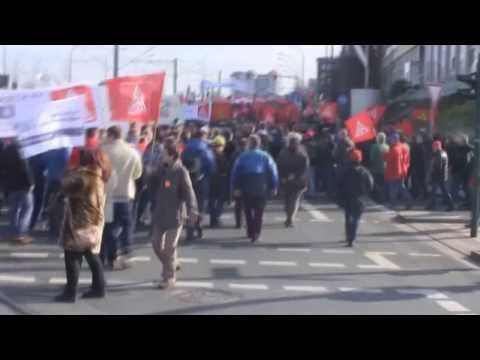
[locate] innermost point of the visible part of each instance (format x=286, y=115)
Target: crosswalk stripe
x=17, y=279
x=140, y=259
x=452, y=306
x=294, y=250
x=277, y=263
x=305, y=288
x=338, y=251
x=248, y=286
x=227, y=262
x=316, y=214
x=195, y=284
x=29, y=255
x=188, y=260
x=424, y=255
x=61, y=281
x=327, y=265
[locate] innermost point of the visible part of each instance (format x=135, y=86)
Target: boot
x=67, y=296
x=94, y=294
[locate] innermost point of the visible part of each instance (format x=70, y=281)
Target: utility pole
x=4, y=59
x=476, y=196
x=367, y=68
x=220, y=83
x=116, y=60
x=175, y=75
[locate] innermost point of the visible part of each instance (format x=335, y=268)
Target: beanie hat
x=356, y=156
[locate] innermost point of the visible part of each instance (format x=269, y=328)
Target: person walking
x=341, y=153
x=438, y=177
x=377, y=166
x=326, y=163
x=200, y=163
x=127, y=165
x=394, y=173
x=254, y=177
x=356, y=184
x=459, y=169
x=418, y=168
x=81, y=236
x=238, y=201
x=219, y=182
x=176, y=204
x=293, y=166
x=18, y=181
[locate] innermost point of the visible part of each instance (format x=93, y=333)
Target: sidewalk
x=448, y=228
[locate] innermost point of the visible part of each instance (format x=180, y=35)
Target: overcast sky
x=195, y=61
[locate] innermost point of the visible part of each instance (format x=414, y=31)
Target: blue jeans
x=123, y=222
x=327, y=177
x=457, y=184
x=353, y=213
x=215, y=206
x=21, y=208
x=396, y=188
x=312, y=181
x=447, y=198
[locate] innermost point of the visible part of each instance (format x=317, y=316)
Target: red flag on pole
x=405, y=127
x=361, y=128
x=76, y=91
x=136, y=98
x=328, y=112
x=376, y=113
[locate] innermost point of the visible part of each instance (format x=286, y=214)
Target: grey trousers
x=165, y=246
x=292, y=202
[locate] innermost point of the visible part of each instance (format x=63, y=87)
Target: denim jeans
x=20, y=208
x=396, y=188
x=447, y=198
x=353, y=212
x=327, y=178
x=123, y=221
x=254, y=208
x=312, y=181
x=215, y=207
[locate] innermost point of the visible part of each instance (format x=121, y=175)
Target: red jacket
x=406, y=159
x=395, y=168
x=74, y=161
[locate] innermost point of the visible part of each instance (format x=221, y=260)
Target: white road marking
x=61, y=281
x=195, y=284
x=316, y=214
x=327, y=265
x=17, y=279
x=305, y=288
x=336, y=251
x=381, y=262
x=358, y=290
x=140, y=259
x=428, y=293
x=452, y=306
x=424, y=255
x=294, y=250
x=227, y=262
x=248, y=286
x=61, y=256
x=278, y=263
x=29, y=255
x=188, y=260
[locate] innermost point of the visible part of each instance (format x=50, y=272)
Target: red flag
x=376, y=113
x=328, y=112
x=76, y=91
x=421, y=114
x=269, y=113
x=405, y=127
x=136, y=98
x=222, y=110
x=361, y=128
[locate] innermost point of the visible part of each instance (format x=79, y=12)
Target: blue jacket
x=197, y=147
x=255, y=173
x=56, y=162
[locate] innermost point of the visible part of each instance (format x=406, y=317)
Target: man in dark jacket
x=200, y=162
x=293, y=165
x=439, y=177
x=254, y=177
x=219, y=182
x=356, y=183
x=462, y=155
x=18, y=181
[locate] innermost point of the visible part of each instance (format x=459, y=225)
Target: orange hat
x=437, y=145
x=356, y=156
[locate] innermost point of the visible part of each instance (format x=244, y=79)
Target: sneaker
x=94, y=294
x=24, y=240
x=165, y=285
x=121, y=263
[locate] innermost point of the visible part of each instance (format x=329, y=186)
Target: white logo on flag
x=360, y=130
x=71, y=94
x=137, y=106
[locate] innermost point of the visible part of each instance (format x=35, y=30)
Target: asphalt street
x=392, y=270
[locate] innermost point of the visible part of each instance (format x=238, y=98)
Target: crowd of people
x=169, y=178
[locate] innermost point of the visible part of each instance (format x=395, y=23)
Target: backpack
x=193, y=163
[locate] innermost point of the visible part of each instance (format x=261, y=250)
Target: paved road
x=393, y=269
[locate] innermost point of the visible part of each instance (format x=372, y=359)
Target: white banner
x=20, y=106
x=60, y=124
x=190, y=112
x=171, y=109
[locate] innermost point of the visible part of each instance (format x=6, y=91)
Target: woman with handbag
x=84, y=190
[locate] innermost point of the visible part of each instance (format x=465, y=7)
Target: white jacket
x=127, y=165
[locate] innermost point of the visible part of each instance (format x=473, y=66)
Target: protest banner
x=59, y=124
